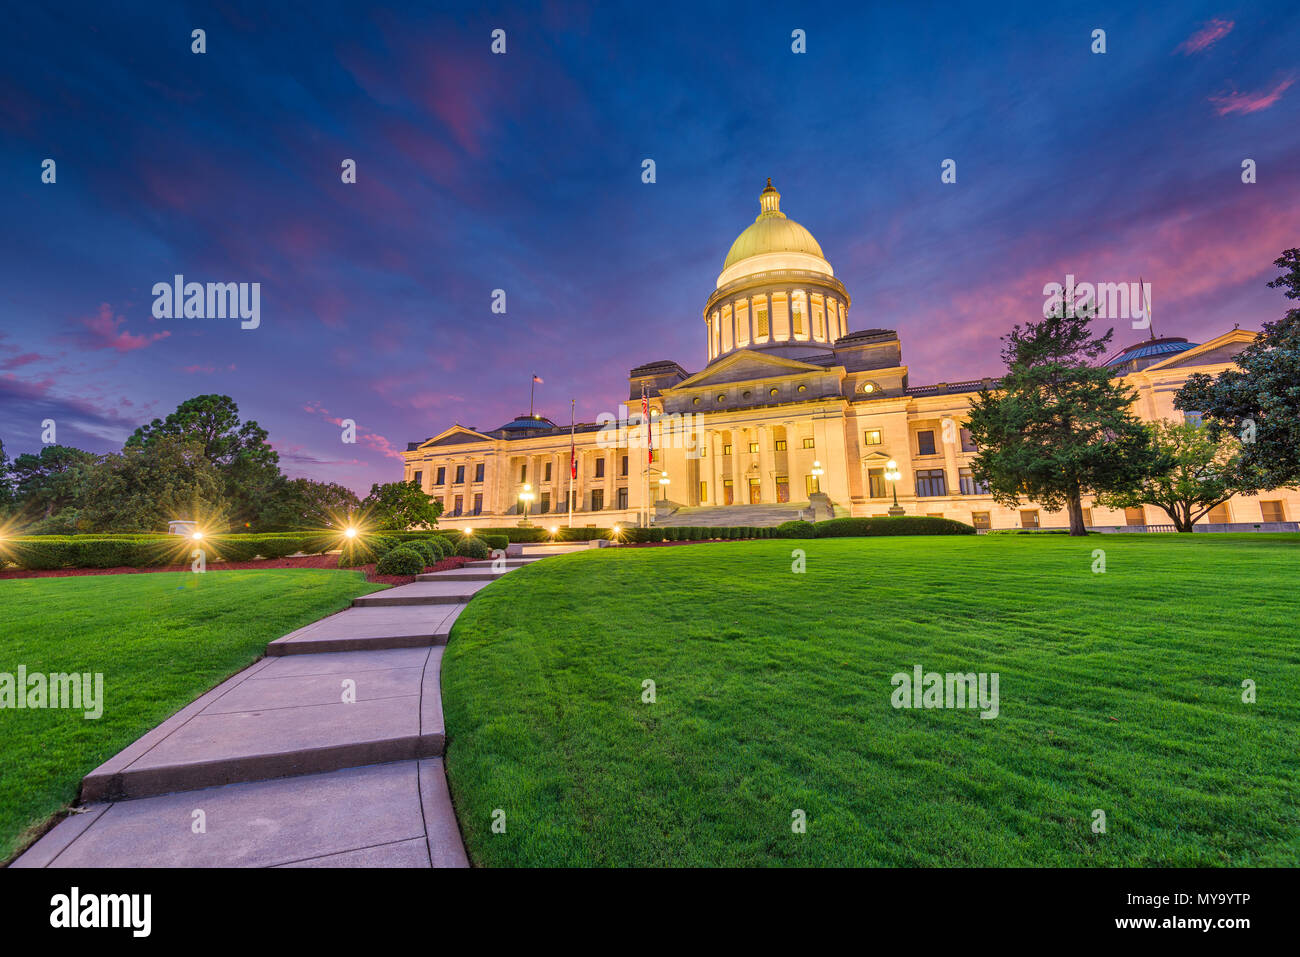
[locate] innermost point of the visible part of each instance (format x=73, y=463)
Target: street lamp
x=817, y=472
x=526, y=496
x=893, y=475
x=664, y=482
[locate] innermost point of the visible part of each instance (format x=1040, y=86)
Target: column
x=950, y=466
x=766, y=451
x=610, y=463
x=738, y=447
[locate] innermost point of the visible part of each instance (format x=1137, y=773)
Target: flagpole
x=571, y=461
x=532, y=388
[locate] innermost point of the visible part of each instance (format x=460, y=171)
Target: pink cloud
x=17, y=361
x=1204, y=38
x=1236, y=102
x=370, y=440
x=106, y=332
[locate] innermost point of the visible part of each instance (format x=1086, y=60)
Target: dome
x=773, y=232
x=1149, y=352
x=528, y=423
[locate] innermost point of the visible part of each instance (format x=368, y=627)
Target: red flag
x=573, y=455
x=538, y=379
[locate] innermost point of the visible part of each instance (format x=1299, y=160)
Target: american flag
x=649, y=436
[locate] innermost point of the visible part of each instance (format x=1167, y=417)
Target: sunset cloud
x=1204, y=38
x=1236, y=102
x=106, y=332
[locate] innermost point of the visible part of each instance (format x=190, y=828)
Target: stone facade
x=791, y=413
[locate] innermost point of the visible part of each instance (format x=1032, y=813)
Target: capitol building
x=793, y=414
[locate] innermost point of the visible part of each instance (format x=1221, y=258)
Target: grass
x=159, y=639
x=1119, y=691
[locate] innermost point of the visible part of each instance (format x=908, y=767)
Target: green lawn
x=160, y=640
x=1119, y=691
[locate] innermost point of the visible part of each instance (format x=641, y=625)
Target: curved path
x=325, y=753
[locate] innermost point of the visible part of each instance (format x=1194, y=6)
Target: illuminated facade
x=793, y=415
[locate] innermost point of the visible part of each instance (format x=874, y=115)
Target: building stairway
x=713, y=516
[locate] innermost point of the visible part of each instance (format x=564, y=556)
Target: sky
x=522, y=172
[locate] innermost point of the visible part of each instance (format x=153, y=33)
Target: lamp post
x=526, y=496
x=893, y=475
x=664, y=482
x=817, y=473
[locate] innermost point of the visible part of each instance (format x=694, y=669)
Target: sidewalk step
x=463, y=575
x=377, y=628
x=422, y=593
x=385, y=815
x=286, y=716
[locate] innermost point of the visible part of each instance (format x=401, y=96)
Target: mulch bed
x=302, y=561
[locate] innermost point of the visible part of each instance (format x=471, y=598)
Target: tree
x=1259, y=401
x=50, y=480
x=1193, y=473
x=249, y=465
x=400, y=505
x=6, y=487
x=1057, y=426
x=303, y=503
x=146, y=486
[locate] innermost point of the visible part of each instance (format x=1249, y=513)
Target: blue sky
x=522, y=172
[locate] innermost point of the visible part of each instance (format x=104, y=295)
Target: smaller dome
x=528, y=423
x=1149, y=352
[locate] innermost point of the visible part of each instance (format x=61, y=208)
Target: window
x=442, y=477
x=811, y=485
x=459, y=506
x=478, y=472
x=1029, y=518
x=753, y=447
x=807, y=443
x=523, y=473
x=780, y=445
x=1271, y=511
x=967, y=443
x=818, y=326
x=925, y=442
x=761, y=316
x=930, y=482
x=1135, y=516
x=460, y=474
x=600, y=468
x=1219, y=515
x=597, y=499
x=704, y=492
x=981, y=520
x=624, y=465
x=478, y=503
x=969, y=486
x=1087, y=517
x=726, y=449
x=871, y=437
x=545, y=503
x=548, y=471
x=876, y=483
x=797, y=321
x=622, y=496
x=728, y=492
x=418, y=478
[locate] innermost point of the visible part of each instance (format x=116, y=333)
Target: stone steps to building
x=734, y=515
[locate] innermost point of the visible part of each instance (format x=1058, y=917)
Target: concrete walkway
x=325, y=753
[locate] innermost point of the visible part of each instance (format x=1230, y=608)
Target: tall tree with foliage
x=50, y=480
x=1193, y=473
x=399, y=505
x=239, y=450
x=1057, y=426
x=1259, y=401
x=6, y=485
x=147, y=486
x=304, y=504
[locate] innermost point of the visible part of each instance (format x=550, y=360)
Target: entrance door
x=783, y=488
x=728, y=493
x=755, y=492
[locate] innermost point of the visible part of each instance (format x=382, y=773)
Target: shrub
x=426, y=549
x=475, y=548
x=796, y=529
x=495, y=541
x=402, y=560
x=439, y=545
x=900, y=525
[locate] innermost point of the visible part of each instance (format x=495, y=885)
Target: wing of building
x=793, y=415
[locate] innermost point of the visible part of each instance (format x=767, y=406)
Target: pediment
x=456, y=435
x=1222, y=349
x=745, y=366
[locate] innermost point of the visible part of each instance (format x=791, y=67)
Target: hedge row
x=863, y=527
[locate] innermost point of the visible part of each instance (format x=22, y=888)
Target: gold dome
x=772, y=232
